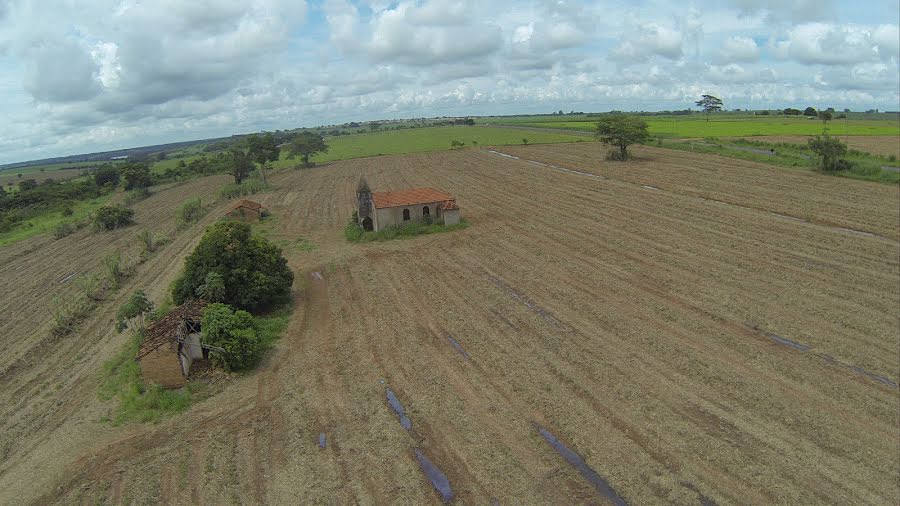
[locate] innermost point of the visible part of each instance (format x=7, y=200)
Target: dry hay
x=636, y=335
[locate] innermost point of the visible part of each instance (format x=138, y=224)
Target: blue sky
x=82, y=76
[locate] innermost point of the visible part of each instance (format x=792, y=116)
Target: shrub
x=829, y=149
x=106, y=175
x=190, y=211
x=136, y=175
x=254, y=271
x=113, y=217
x=134, y=312
x=148, y=243
x=113, y=270
x=233, y=331
x=136, y=195
x=63, y=229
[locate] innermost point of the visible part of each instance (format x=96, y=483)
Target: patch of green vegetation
x=354, y=233
x=420, y=140
x=248, y=187
x=731, y=126
x=271, y=325
x=137, y=402
x=864, y=166
x=49, y=222
x=303, y=244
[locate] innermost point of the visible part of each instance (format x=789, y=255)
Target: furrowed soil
x=628, y=309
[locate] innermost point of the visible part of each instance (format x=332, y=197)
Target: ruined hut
x=246, y=210
x=171, y=344
x=380, y=210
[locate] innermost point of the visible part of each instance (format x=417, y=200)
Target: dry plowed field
x=694, y=328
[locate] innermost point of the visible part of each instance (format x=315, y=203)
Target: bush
x=134, y=196
x=113, y=217
x=63, y=229
x=134, y=312
x=106, y=175
x=234, y=332
x=254, y=271
x=830, y=150
x=136, y=175
x=190, y=211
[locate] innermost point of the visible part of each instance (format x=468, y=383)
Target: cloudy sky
x=86, y=75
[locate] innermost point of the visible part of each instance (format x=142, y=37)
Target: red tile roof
x=449, y=205
x=248, y=204
x=408, y=197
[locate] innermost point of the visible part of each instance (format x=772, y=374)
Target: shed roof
x=408, y=197
x=248, y=204
x=449, y=205
x=163, y=331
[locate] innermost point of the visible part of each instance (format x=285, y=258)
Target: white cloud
x=738, y=49
x=111, y=73
x=651, y=39
x=830, y=44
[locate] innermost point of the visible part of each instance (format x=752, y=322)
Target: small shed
x=246, y=210
x=171, y=344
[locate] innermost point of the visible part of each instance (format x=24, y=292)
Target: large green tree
x=253, y=270
x=709, y=104
x=232, y=331
x=136, y=175
x=621, y=131
x=241, y=164
x=262, y=149
x=106, y=174
x=306, y=144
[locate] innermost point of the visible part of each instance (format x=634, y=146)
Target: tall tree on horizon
x=709, y=104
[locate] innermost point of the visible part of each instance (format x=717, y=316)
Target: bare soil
x=628, y=316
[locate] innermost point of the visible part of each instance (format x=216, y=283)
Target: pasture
x=696, y=328
x=420, y=140
x=723, y=125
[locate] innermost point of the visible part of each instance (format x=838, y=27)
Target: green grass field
x=420, y=140
x=47, y=222
x=729, y=125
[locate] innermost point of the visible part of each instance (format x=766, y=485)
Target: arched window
x=426, y=212
x=406, y=215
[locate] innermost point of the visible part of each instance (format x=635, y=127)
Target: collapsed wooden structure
x=172, y=344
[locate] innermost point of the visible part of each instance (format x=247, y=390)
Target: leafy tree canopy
x=106, y=174
x=241, y=164
x=254, y=272
x=810, y=111
x=620, y=131
x=234, y=332
x=136, y=175
x=709, y=104
x=262, y=148
x=306, y=144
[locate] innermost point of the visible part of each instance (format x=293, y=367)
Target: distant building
x=123, y=157
x=246, y=210
x=380, y=210
x=171, y=345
